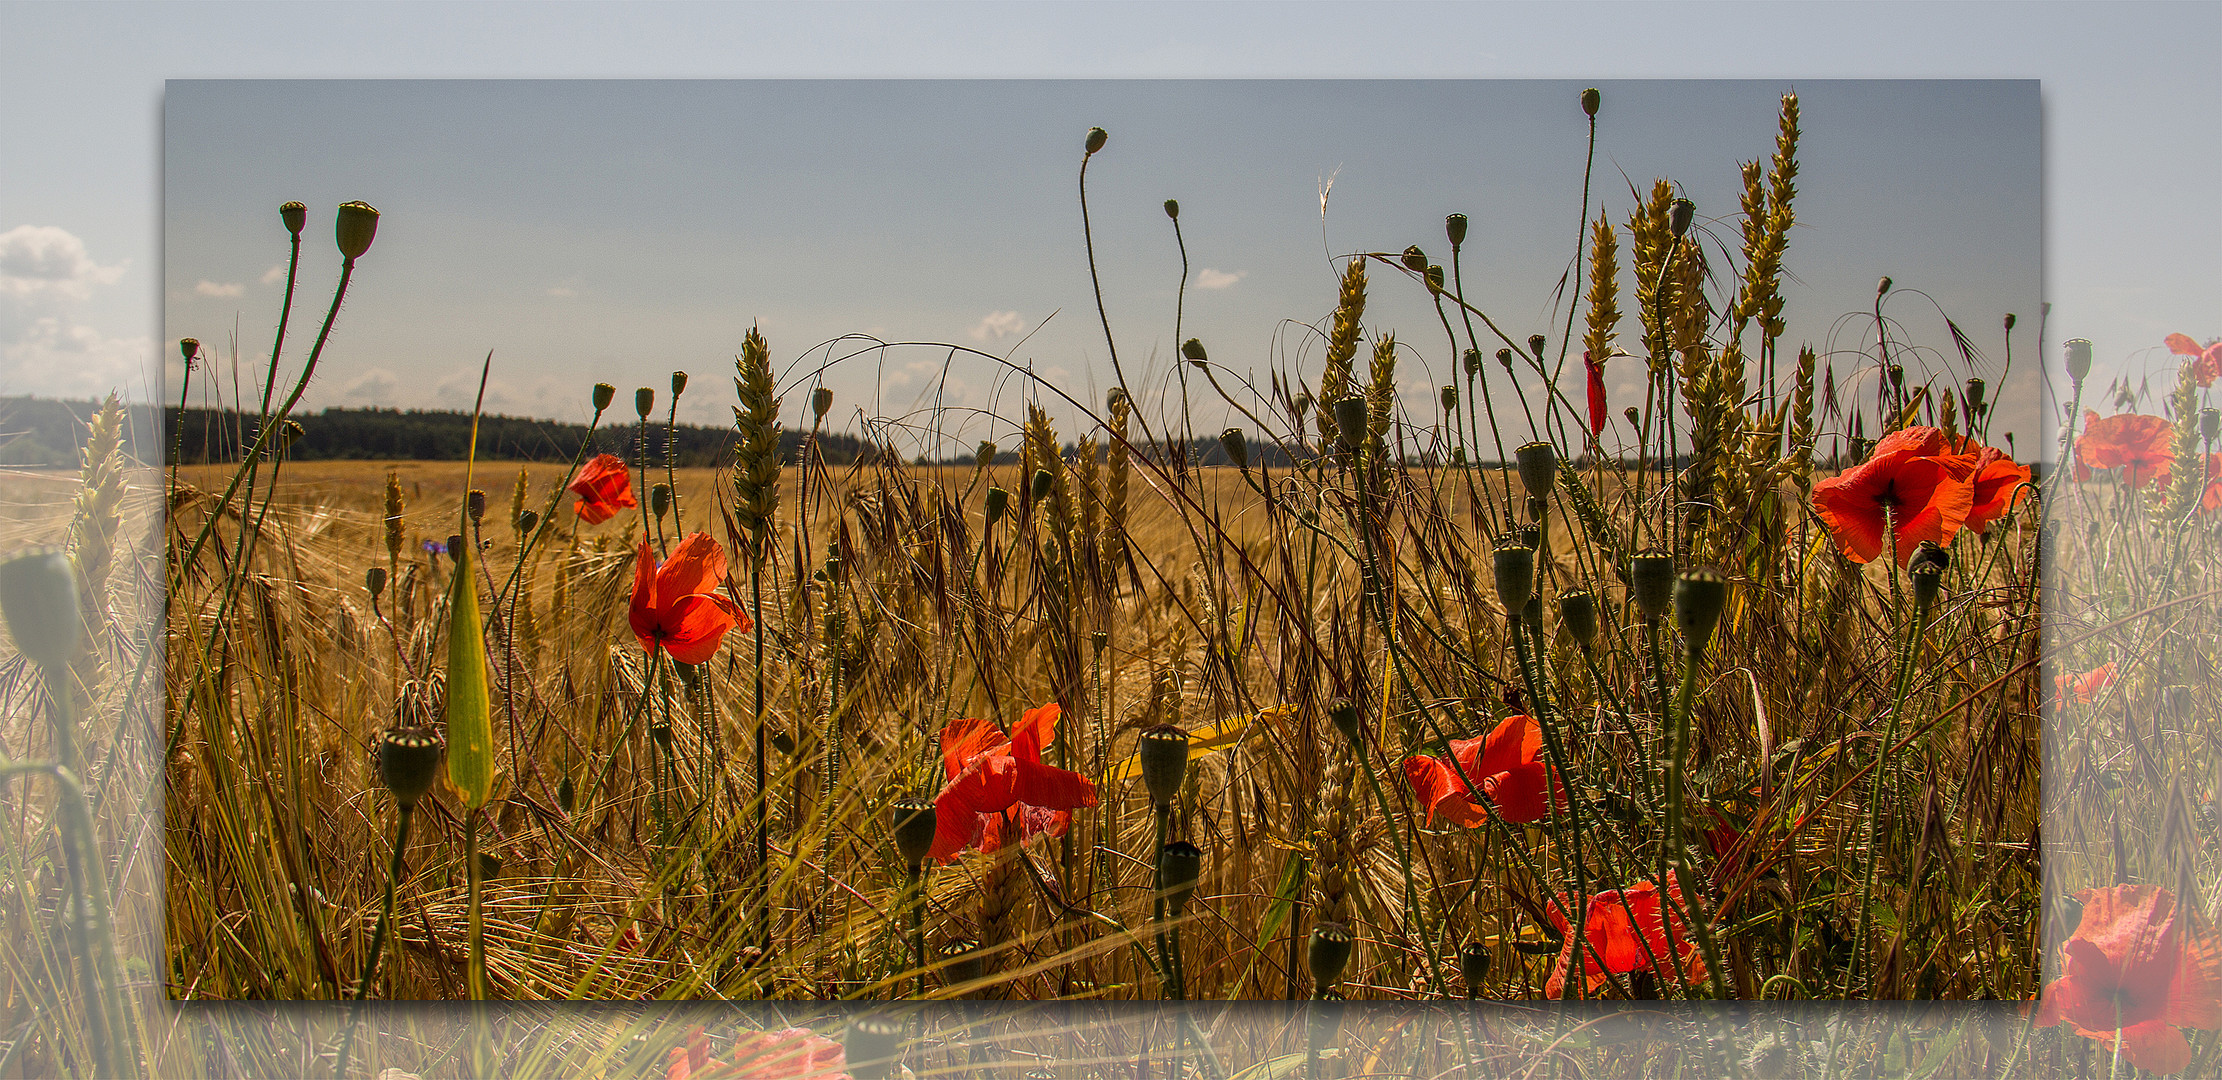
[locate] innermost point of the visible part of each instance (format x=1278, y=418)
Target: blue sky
x=2130, y=237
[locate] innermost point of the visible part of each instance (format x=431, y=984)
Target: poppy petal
x=1518, y=792
x=642, y=611
x=965, y=739
x=694, y=626
x=697, y=565
x=1035, y=731
x=1036, y=784
x=2155, y=1047
x=1439, y=791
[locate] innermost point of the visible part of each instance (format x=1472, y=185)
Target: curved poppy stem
x=1864, y=957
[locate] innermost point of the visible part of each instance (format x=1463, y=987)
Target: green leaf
x=470, y=725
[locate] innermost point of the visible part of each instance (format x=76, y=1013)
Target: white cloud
x=998, y=325
x=1209, y=278
x=211, y=288
x=275, y=275
x=45, y=272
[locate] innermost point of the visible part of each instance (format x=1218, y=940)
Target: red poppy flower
x=758, y=1055
x=1506, y=767
x=2086, y=686
x=604, y=487
x=2206, y=360
x=2138, y=969
x=1913, y=473
x=2211, y=499
x=1655, y=938
x=992, y=774
x=1998, y=481
x=677, y=605
x=1597, y=415
x=2143, y=447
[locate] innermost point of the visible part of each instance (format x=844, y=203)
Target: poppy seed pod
x=1882, y=286
x=821, y=402
x=1449, y=395
x=1179, y=865
x=1515, y=566
x=38, y=598
x=1473, y=965
x=2079, y=359
x=475, y=502
x=1415, y=260
x=678, y=384
x=985, y=455
x=527, y=521
x=2210, y=424
x=660, y=730
x=295, y=216
x=1435, y=279
x=1538, y=463
x=1458, y=456
x=1237, y=448
x=355, y=227
x=408, y=761
x=1856, y=448
x=644, y=401
x=1096, y=138
x=1472, y=360
x=1350, y=422
x=1536, y=342
x=999, y=502
x=1039, y=489
x=1897, y=376
x=455, y=547
x=659, y=499
x=1699, y=597
x=1651, y=583
x=374, y=579
x=187, y=348
x=1531, y=613
x=1099, y=640
x=489, y=866
x=1928, y=580
x=1193, y=349
x=1454, y=227
x=604, y=393
x=1343, y=713
x=1927, y=553
x=1679, y=216
x=1329, y=952
x=1504, y=358
x=1530, y=536
x=567, y=794
x=1535, y=514
x=962, y=959
x=1163, y=751
x=2009, y=322
x=869, y=1045
x=1172, y=209
x=913, y=826
x=1590, y=100
x=1976, y=388
x=1635, y=419
x=1577, y=612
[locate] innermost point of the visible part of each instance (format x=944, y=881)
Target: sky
x=2129, y=236
x=615, y=231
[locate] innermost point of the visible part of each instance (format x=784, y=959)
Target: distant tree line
x=210, y=435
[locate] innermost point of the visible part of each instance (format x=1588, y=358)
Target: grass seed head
x=355, y=227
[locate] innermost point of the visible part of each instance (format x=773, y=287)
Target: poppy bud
x=1096, y=138
x=644, y=401
x=1515, y=566
x=821, y=401
x=567, y=794
x=1927, y=553
x=1928, y=580
x=1237, y=448
x=1179, y=865
x=1678, y=217
x=1472, y=361
x=2009, y=322
x=1577, y=612
x=1415, y=260
x=1975, y=391
x=869, y=1045
x=985, y=455
x=604, y=393
x=527, y=521
x=1350, y=422
x=355, y=227
x=999, y=501
x=659, y=499
x=913, y=826
x=1343, y=713
x=38, y=598
x=295, y=215
x=1039, y=489
x=2079, y=359
x=1635, y=419
x=1504, y=358
x=1473, y=960
x=1538, y=463
x=1535, y=514
x=408, y=760
x=188, y=347
x=1172, y=209
x=1454, y=226
x=1651, y=583
x=1857, y=447
x=1882, y=286
x=1163, y=751
x=1193, y=349
x=1897, y=376
x=1450, y=398
x=1329, y=952
x=1536, y=342
x=1590, y=100
x=374, y=579
x=1699, y=597
x=1302, y=404
x=455, y=547
x=678, y=384
x=1435, y=279
x=2210, y=424
x=475, y=502
x=1099, y=640
x=962, y=961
